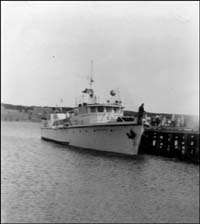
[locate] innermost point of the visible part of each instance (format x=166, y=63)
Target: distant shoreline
x=26, y=121
x=18, y=113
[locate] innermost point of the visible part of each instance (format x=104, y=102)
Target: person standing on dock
x=140, y=113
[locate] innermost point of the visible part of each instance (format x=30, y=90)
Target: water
x=46, y=182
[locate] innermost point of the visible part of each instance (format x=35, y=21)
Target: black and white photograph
x=100, y=112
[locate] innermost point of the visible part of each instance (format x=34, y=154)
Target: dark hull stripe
x=52, y=140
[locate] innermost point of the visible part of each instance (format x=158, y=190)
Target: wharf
x=171, y=142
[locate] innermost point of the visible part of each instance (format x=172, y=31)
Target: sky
x=149, y=50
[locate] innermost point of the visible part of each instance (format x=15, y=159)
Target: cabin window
x=93, y=109
x=84, y=110
x=109, y=109
x=100, y=109
x=79, y=110
x=55, y=116
x=75, y=112
x=116, y=110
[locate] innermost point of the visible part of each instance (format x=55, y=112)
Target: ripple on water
x=47, y=182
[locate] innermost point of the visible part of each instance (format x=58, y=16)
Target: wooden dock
x=171, y=142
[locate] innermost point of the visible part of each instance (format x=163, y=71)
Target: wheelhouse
x=95, y=113
x=98, y=108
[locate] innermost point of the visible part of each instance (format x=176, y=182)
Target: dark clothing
x=157, y=121
x=141, y=110
x=140, y=113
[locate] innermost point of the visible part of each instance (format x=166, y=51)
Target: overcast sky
x=150, y=50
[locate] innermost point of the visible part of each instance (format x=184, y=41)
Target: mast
x=91, y=74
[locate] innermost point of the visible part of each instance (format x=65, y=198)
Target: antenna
x=91, y=74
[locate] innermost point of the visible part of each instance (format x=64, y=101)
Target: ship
x=95, y=125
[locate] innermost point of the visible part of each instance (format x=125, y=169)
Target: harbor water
x=44, y=182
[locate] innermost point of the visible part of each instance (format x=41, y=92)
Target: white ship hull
x=116, y=137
